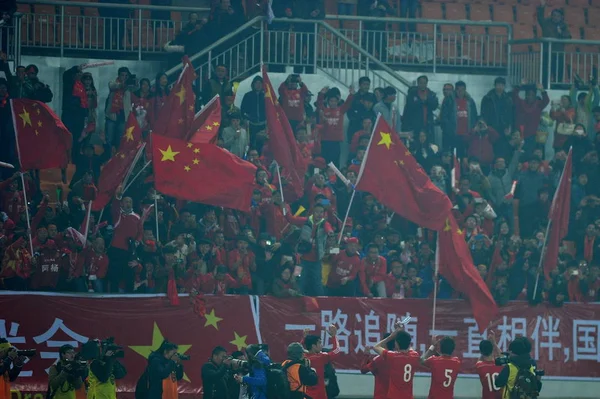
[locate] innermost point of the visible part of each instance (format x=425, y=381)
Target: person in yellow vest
x=300, y=374
x=8, y=356
x=105, y=369
x=520, y=377
x=67, y=376
x=164, y=370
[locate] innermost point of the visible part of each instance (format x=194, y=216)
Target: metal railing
x=553, y=61
x=80, y=27
x=431, y=43
x=10, y=39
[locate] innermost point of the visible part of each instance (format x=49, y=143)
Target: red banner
x=566, y=341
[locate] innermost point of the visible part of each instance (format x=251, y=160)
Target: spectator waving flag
x=116, y=168
x=559, y=216
x=394, y=177
x=282, y=142
x=206, y=124
x=456, y=266
x=202, y=173
x=39, y=131
x=176, y=116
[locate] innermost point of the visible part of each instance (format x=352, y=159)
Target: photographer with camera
x=9, y=355
x=118, y=105
x=214, y=374
x=66, y=377
x=520, y=377
x=105, y=369
x=164, y=369
x=256, y=380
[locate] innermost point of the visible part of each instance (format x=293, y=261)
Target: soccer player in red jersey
x=380, y=370
x=487, y=369
x=319, y=359
x=444, y=368
x=402, y=363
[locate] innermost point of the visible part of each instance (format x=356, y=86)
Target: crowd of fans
x=502, y=183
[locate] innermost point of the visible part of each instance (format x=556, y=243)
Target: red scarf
x=588, y=248
x=79, y=91
x=172, y=289
x=4, y=101
x=116, y=106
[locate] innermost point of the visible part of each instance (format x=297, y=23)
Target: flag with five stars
x=175, y=118
x=206, y=124
x=43, y=141
x=282, y=142
x=394, y=177
x=559, y=216
x=456, y=266
x=201, y=173
x=116, y=168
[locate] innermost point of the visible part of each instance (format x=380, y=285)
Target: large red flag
x=206, y=124
x=456, y=266
x=559, y=216
x=394, y=177
x=116, y=168
x=43, y=141
x=175, y=118
x=282, y=142
x=202, y=173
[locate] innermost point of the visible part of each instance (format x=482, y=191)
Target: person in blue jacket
x=256, y=380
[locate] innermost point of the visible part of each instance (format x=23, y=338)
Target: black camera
x=502, y=360
x=131, y=81
x=108, y=344
x=183, y=357
x=27, y=352
x=238, y=364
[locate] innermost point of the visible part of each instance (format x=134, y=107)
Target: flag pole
x=87, y=223
x=284, y=210
x=156, y=214
x=435, y=280
x=135, y=161
x=27, y=213
x=346, y=217
x=136, y=176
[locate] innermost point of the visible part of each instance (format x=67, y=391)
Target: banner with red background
x=566, y=341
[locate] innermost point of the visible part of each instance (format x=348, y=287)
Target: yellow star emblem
x=39, y=123
x=180, y=121
x=189, y=145
x=196, y=161
x=447, y=226
x=168, y=154
x=386, y=139
x=216, y=124
x=400, y=162
x=187, y=168
x=37, y=110
x=208, y=127
x=122, y=156
x=157, y=340
x=25, y=117
x=212, y=320
x=191, y=108
x=196, y=150
x=407, y=152
x=36, y=132
x=181, y=95
x=129, y=133
x=459, y=232
x=239, y=342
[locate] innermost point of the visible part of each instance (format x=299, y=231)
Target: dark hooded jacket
x=160, y=368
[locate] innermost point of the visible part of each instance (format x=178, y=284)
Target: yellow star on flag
x=208, y=127
x=36, y=132
x=196, y=150
x=386, y=139
x=181, y=95
x=189, y=145
x=239, y=342
x=212, y=320
x=180, y=121
x=37, y=110
x=122, y=156
x=216, y=124
x=196, y=161
x=129, y=133
x=25, y=117
x=39, y=123
x=168, y=154
x=407, y=152
x=191, y=108
x=459, y=232
x=157, y=340
x=447, y=226
x=187, y=168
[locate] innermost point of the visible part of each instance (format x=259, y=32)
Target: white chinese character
x=550, y=336
x=46, y=337
x=586, y=340
x=508, y=332
x=473, y=340
x=54, y=268
x=12, y=337
x=339, y=320
x=45, y=268
x=410, y=327
x=371, y=331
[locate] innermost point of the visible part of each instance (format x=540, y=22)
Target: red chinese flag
x=175, y=118
x=202, y=173
x=394, y=177
x=43, y=141
x=559, y=216
x=116, y=168
x=282, y=142
x=205, y=127
x=456, y=266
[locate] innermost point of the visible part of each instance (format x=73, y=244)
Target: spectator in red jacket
x=528, y=111
x=481, y=143
x=332, y=118
x=345, y=267
x=373, y=273
x=292, y=94
x=241, y=263
x=92, y=267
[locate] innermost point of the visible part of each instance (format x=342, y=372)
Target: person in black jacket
x=253, y=109
x=520, y=358
x=214, y=373
x=419, y=107
x=163, y=364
